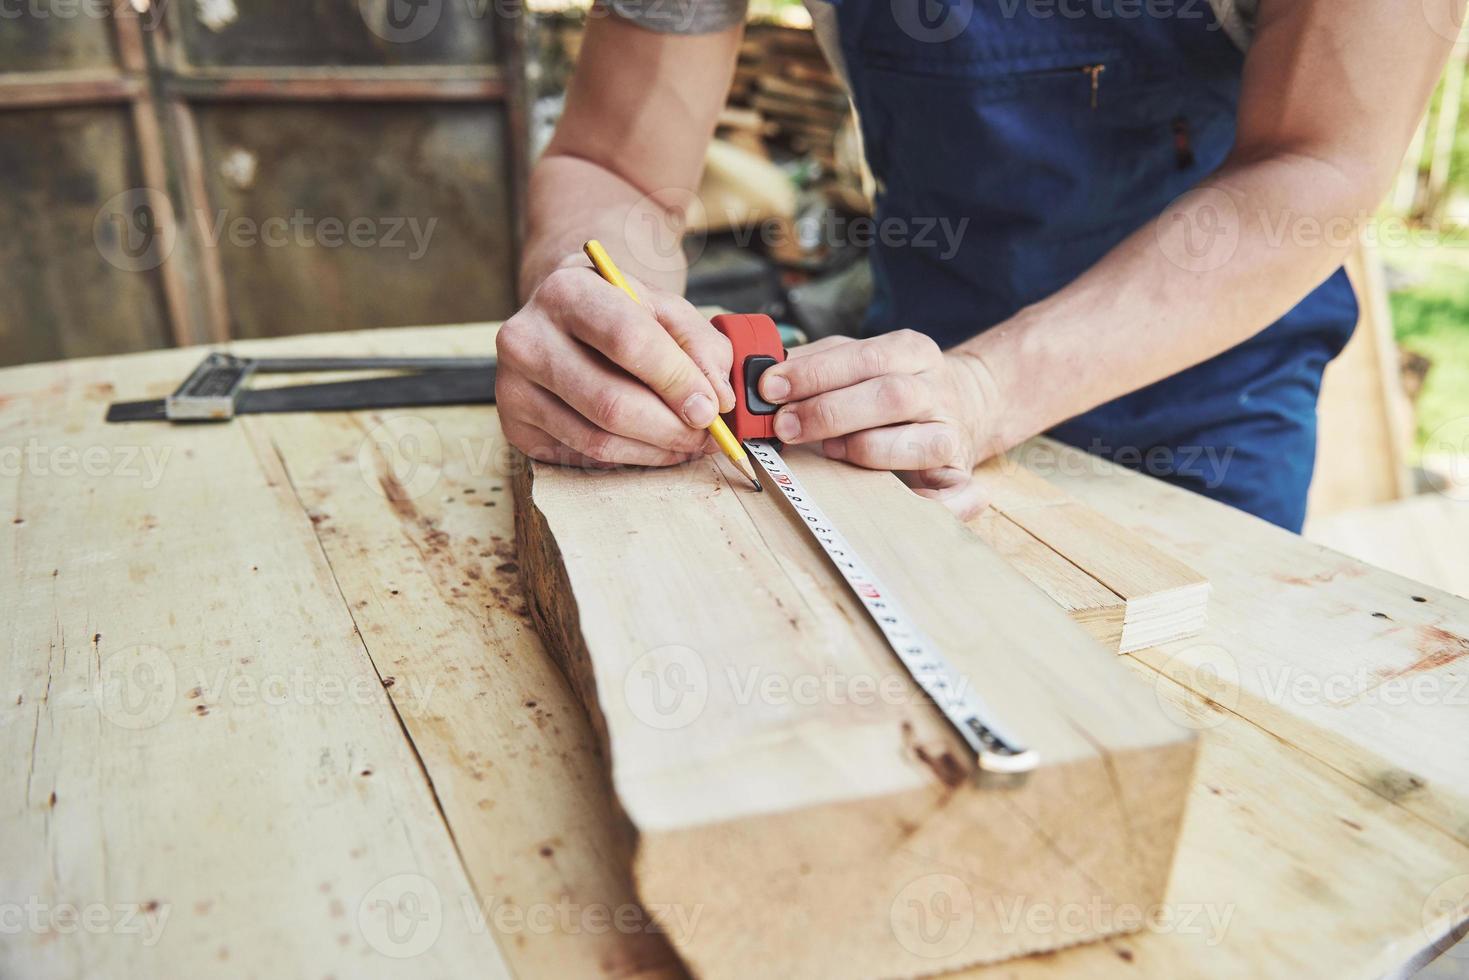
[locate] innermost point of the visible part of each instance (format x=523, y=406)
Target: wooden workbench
x=270, y=706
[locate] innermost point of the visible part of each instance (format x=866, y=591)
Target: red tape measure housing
x=756, y=342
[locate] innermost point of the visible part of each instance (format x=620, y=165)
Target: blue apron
x=1057, y=128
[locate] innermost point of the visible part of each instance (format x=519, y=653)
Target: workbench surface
x=272, y=706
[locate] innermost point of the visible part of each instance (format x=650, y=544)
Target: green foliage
x=1431, y=318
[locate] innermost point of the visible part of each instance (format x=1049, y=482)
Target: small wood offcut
x=1125, y=592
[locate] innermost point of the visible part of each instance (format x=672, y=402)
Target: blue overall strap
x=1038, y=137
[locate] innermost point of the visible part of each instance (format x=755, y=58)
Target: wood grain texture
x=1093, y=606
x=1348, y=662
x=813, y=832
x=200, y=755
x=1162, y=598
x=1296, y=858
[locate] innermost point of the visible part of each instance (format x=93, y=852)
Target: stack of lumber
x=1124, y=591
x=783, y=77
x=837, y=828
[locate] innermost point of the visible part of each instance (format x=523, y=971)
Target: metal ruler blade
x=998, y=749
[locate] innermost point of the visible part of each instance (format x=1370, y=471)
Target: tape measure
x=757, y=347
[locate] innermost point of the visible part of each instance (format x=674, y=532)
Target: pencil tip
x=758, y=487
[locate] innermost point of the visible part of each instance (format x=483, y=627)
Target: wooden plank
x=1093, y=606
x=1285, y=865
x=1285, y=869
x=277, y=85
x=1352, y=664
x=1364, y=420
x=94, y=86
x=202, y=758
x=413, y=511
x=1163, y=598
x=1421, y=538
x=738, y=792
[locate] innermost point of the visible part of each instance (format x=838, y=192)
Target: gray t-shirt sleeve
x=681, y=16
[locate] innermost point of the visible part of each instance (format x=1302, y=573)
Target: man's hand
x=587, y=377
x=894, y=402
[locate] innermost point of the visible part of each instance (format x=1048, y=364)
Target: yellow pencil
x=608, y=270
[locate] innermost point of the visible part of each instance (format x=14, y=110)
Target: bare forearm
x=572, y=200
x=1220, y=265
x=624, y=164
x=1319, y=139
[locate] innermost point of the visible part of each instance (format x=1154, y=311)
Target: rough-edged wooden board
x=814, y=832
x=1162, y=598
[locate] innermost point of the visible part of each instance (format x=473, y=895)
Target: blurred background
x=195, y=171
